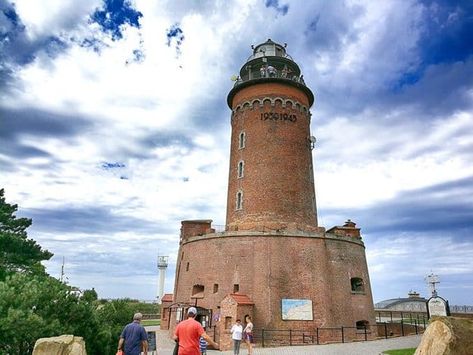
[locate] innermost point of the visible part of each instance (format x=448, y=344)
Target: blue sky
x=114, y=128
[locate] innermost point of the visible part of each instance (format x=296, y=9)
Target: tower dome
x=269, y=63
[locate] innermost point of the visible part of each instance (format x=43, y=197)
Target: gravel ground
x=375, y=347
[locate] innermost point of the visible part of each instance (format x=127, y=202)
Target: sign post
x=151, y=342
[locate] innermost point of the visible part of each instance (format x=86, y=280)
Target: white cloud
x=43, y=18
x=401, y=262
x=372, y=160
x=165, y=119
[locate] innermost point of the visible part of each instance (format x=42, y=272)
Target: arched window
x=241, y=140
x=357, y=284
x=239, y=200
x=240, y=168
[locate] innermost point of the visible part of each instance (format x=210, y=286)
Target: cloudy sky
x=114, y=127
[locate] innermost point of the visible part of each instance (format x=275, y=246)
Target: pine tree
x=17, y=252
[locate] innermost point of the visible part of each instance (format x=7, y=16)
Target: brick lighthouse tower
x=271, y=184
x=272, y=261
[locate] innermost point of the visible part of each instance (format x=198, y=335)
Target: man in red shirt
x=188, y=333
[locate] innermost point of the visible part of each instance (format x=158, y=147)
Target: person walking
x=237, y=332
x=248, y=334
x=134, y=337
x=188, y=333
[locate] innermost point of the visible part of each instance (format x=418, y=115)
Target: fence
x=397, y=316
x=292, y=337
x=461, y=309
x=151, y=316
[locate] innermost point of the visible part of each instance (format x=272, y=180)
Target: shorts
x=249, y=337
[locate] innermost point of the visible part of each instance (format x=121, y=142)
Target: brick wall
x=269, y=268
x=277, y=184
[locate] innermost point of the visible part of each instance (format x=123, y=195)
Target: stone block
x=61, y=345
x=447, y=336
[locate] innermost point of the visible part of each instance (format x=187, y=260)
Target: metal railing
x=406, y=316
x=325, y=335
x=257, y=75
x=461, y=309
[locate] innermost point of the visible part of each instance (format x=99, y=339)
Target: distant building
x=412, y=303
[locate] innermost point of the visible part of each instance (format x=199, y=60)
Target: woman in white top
x=248, y=333
x=237, y=332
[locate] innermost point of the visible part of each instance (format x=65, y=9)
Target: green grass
x=147, y=322
x=409, y=351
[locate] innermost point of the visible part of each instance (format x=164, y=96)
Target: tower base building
x=272, y=262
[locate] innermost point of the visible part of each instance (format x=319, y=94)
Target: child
x=203, y=346
x=237, y=331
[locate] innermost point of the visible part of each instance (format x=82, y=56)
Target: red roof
x=241, y=299
x=167, y=297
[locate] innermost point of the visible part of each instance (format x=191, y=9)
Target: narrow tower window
x=241, y=141
x=362, y=324
x=240, y=168
x=357, y=285
x=239, y=200
x=236, y=288
x=198, y=291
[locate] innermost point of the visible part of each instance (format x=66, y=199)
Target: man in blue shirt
x=134, y=336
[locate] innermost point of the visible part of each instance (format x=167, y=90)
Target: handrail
x=293, y=337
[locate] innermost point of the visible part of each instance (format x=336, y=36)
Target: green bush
x=38, y=306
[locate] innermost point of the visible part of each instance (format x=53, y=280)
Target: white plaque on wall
x=294, y=309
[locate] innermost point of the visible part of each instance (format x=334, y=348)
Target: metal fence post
x=385, y=330
x=262, y=337
x=402, y=327
x=417, y=331
x=343, y=337
x=317, y=330
x=290, y=337
x=366, y=334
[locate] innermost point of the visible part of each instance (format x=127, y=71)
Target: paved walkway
x=375, y=347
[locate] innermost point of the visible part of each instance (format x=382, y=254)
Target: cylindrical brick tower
x=272, y=261
x=271, y=184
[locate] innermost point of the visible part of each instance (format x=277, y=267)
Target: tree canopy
x=38, y=306
x=17, y=252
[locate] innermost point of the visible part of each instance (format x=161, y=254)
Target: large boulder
x=447, y=336
x=61, y=345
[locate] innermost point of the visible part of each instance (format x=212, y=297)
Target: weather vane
x=431, y=281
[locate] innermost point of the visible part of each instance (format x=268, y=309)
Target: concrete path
x=375, y=347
